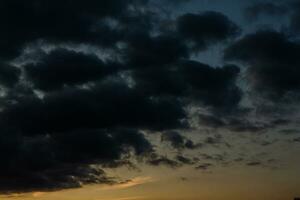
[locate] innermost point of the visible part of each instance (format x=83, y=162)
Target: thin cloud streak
x=130, y=183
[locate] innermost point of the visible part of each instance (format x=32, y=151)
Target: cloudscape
x=149, y=99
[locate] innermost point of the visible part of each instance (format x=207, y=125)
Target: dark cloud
x=62, y=178
x=66, y=113
x=239, y=123
x=198, y=82
x=289, y=131
x=294, y=25
x=211, y=121
x=178, y=141
x=239, y=160
x=76, y=21
x=214, y=157
x=273, y=61
x=254, y=163
x=267, y=143
x=191, y=145
x=204, y=166
x=62, y=159
x=213, y=86
x=145, y=51
x=244, y=126
x=107, y=105
x=185, y=160
x=62, y=67
x=224, y=159
x=121, y=163
x=257, y=10
x=9, y=75
x=289, y=9
x=184, y=179
x=206, y=28
x=76, y=128
x=215, y=140
x=156, y=160
x=296, y=139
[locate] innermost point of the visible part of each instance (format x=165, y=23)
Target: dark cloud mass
x=195, y=81
x=206, y=29
x=289, y=9
x=55, y=161
x=105, y=106
x=145, y=51
x=163, y=161
x=273, y=60
x=265, y=8
x=295, y=16
x=62, y=67
x=61, y=21
x=204, y=166
x=178, y=141
x=83, y=83
x=9, y=75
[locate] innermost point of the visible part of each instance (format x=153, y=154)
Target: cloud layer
x=84, y=82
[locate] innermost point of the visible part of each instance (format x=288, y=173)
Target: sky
x=149, y=99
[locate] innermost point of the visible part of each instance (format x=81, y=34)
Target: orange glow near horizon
x=223, y=184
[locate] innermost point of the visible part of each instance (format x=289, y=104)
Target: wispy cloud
x=130, y=183
x=131, y=198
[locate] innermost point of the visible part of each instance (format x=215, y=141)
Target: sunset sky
x=149, y=99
